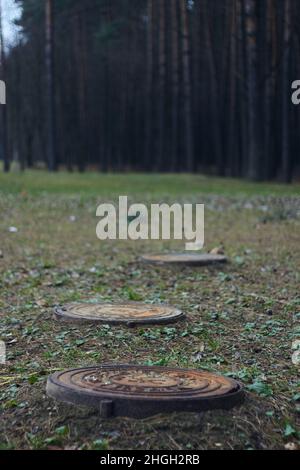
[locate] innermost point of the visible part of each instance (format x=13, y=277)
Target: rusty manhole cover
x=141, y=391
x=130, y=313
x=187, y=259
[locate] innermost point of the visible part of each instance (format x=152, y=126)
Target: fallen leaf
x=296, y=358
x=291, y=446
x=217, y=251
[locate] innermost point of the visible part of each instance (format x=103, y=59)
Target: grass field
x=96, y=184
x=241, y=318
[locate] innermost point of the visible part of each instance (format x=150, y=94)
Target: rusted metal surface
x=130, y=313
x=140, y=391
x=184, y=259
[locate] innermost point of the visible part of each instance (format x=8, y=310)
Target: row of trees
x=154, y=85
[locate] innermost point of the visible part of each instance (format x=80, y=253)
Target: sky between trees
x=10, y=12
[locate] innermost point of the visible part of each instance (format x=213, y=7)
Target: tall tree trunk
x=232, y=134
x=215, y=111
x=80, y=31
x=161, y=85
x=175, y=84
x=6, y=162
x=286, y=165
x=268, y=67
x=50, y=91
x=254, y=150
x=188, y=125
x=149, y=87
x=242, y=91
x=198, y=91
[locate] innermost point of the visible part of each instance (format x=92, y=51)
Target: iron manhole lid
x=140, y=391
x=129, y=313
x=187, y=259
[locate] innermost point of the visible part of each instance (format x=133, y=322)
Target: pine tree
x=50, y=91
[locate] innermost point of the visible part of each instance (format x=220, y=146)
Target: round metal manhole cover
x=187, y=259
x=141, y=391
x=130, y=313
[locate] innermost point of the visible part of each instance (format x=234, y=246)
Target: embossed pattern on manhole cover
x=140, y=391
x=187, y=259
x=130, y=313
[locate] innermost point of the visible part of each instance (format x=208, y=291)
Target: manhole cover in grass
x=140, y=391
x=130, y=313
x=187, y=259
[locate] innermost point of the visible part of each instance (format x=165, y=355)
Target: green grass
x=98, y=184
x=241, y=318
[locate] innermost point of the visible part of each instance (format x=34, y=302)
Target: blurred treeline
x=155, y=85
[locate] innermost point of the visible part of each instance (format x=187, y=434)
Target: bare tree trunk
x=254, y=152
x=80, y=31
x=149, y=87
x=242, y=91
x=286, y=166
x=175, y=84
x=269, y=85
x=50, y=92
x=215, y=124
x=232, y=125
x=6, y=162
x=161, y=84
x=198, y=122
x=188, y=124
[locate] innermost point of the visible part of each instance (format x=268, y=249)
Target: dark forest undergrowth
x=241, y=319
